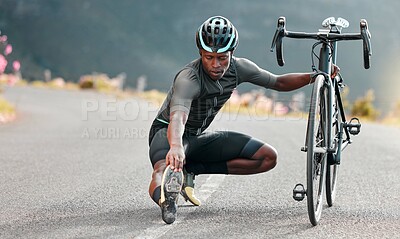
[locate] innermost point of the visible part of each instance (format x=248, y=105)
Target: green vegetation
x=363, y=107
x=393, y=117
x=5, y=107
x=7, y=111
x=98, y=82
x=346, y=103
x=154, y=96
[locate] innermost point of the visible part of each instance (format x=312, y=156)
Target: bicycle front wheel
x=316, y=151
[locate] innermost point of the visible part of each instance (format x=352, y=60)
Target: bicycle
x=328, y=131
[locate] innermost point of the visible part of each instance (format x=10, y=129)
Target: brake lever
x=274, y=39
x=280, y=32
x=366, y=35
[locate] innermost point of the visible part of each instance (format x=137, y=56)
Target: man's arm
x=185, y=89
x=292, y=81
x=176, y=128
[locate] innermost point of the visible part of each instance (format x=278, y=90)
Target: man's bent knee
x=269, y=156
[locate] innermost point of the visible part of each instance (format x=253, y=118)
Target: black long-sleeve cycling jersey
x=201, y=97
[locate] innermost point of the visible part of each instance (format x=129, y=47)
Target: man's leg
x=164, y=189
x=155, y=183
x=226, y=152
x=187, y=187
x=187, y=191
x=165, y=184
x=159, y=147
x=261, y=161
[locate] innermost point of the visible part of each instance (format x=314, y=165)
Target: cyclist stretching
x=179, y=147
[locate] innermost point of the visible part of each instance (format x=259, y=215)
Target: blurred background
x=152, y=40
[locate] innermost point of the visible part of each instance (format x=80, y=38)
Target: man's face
x=215, y=64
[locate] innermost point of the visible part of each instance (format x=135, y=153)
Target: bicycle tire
x=333, y=169
x=316, y=161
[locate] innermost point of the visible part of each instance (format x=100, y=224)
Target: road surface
x=75, y=165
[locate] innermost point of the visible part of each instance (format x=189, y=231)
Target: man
x=179, y=147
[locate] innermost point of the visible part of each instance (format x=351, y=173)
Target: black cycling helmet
x=217, y=34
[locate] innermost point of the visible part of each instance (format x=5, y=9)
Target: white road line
x=203, y=193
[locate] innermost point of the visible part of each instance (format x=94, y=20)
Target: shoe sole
x=171, y=185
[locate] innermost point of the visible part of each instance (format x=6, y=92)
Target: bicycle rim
x=332, y=170
x=316, y=158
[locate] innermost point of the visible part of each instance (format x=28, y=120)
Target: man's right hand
x=175, y=158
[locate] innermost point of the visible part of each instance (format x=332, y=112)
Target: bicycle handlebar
x=326, y=35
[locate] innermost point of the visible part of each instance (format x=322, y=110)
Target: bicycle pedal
x=299, y=192
x=354, y=126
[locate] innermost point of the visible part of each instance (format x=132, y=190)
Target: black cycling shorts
x=206, y=153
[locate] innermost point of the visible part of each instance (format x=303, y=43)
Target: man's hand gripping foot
x=171, y=185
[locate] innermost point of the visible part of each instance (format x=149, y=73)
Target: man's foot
x=171, y=185
x=188, y=189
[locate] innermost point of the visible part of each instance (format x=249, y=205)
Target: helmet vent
x=210, y=40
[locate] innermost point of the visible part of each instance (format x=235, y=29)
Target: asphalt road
x=75, y=165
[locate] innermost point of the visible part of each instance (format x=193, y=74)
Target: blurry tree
x=393, y=117
x=5, y=51
x=7, y=111
x=363, y=106
x=345, y=101
x=396, y=110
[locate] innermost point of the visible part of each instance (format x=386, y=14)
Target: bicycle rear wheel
x=333, y=169
x=316, y=152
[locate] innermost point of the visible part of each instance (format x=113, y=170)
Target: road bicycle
x=328, y=131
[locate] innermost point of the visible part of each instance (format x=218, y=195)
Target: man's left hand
x=335, y=70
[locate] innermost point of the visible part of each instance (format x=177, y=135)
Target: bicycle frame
x=327, y=58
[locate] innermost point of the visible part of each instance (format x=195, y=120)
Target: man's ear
x=200, y=52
